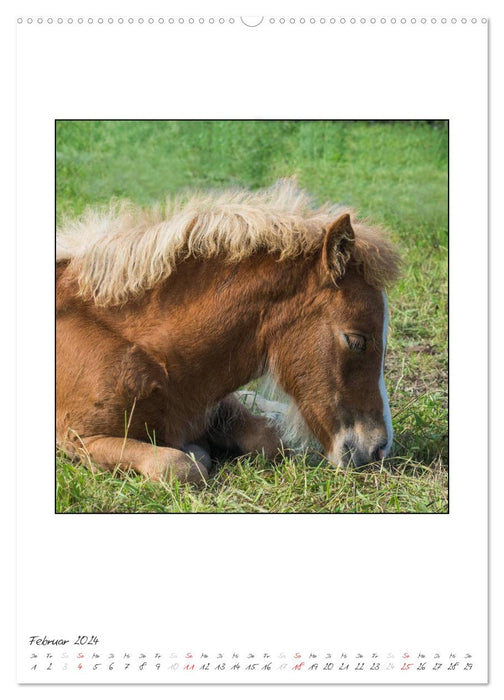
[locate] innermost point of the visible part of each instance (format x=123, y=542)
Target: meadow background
x=395, y=173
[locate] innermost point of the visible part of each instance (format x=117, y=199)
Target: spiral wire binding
x=249, y=21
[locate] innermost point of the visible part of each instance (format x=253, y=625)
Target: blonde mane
x=121, y=251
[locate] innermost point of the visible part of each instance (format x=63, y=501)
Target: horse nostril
x=379, y=451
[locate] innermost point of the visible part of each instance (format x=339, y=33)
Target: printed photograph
x=251, y=316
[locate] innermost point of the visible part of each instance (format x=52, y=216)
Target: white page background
x=436, y=562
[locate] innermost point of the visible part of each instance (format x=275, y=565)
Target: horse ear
x=337, y=248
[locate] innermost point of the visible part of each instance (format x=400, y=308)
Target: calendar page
x=247, y=251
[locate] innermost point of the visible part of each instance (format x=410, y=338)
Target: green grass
x=249, y=485
x=393, y=172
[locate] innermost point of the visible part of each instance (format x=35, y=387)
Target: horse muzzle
x=346, y=451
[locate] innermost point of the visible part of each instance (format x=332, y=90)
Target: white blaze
x=387, y=417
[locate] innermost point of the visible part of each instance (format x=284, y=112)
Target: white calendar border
x=459, y=5
x=441, y=534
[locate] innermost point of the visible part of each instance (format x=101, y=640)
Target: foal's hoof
x=168, y=464
x=196, y=474
x=188, y=470
x=199, y=454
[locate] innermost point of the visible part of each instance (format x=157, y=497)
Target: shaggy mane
x=121, y=251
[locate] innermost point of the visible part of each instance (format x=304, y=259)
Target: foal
x=161, y=318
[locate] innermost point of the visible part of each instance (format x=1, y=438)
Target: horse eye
x=356, y=342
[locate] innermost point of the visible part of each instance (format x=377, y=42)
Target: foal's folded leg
x=156, y=463
x=234, y=425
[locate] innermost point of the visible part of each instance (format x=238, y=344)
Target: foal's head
x=333, y=363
